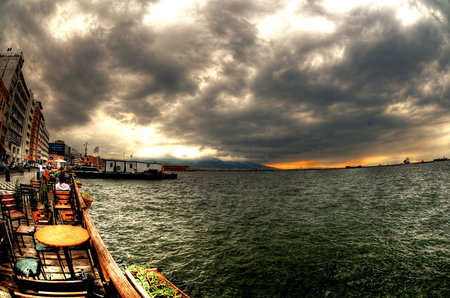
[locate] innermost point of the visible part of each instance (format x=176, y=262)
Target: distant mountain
x=213, y=164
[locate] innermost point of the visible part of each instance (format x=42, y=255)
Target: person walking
x=7, y=173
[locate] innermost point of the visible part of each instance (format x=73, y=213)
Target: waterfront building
x=42, y=152
x=74, y=156
x=130, y=166
x=60, y=150
x=39, y=147
x=26, y=137
x=58, y=147
x=63, y=151
x=4, y=95
x=12, y=76
x=20, y=132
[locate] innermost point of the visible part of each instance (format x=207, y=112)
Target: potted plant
x=18, y=194
x=32, y=198
x=151, y=283
x=87, y=198
x=43, y=194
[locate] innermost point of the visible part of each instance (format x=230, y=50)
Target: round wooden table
x=64, y=236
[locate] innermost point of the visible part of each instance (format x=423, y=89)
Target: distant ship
x=353, y=167
x=440, y=159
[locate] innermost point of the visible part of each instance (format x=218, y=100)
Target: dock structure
x=105, y=277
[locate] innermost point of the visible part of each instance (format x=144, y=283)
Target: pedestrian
x=7, y=173
x=41, y=170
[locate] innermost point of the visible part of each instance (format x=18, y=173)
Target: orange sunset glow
x=313, y=164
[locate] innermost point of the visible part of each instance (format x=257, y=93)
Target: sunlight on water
x=357, y=232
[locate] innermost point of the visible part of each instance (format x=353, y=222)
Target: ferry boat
x=92, y=270
x=125, y=169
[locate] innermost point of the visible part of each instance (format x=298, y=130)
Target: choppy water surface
x=357, y=232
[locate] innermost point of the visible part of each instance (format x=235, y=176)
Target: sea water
x=380, y=231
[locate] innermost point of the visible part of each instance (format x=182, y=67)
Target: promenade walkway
x=8, y=187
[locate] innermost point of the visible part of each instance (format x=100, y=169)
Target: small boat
x=353, y=167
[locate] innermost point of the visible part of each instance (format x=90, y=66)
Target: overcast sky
x=302, y=82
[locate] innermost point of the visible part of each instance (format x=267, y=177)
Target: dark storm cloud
x=73, y=71
x=382, y=64
x=302, y=95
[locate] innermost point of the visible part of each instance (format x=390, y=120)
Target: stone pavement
x=8, y=187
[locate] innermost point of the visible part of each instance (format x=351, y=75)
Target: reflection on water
x=357, y=232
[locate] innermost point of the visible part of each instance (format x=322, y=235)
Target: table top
x=62, y=235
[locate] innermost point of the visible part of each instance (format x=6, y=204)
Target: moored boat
x=125, y=169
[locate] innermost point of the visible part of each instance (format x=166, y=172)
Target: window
x=131, y=166
x=111, y=165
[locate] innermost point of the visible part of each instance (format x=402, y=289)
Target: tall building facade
x=17, y=131
x=26, y=144
x=39, y=136
x=43, y=147
x=59, y=147
x=4, y=96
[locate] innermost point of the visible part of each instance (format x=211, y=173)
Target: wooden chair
x=63, y=195
x=24, y=267
x=51, y=183
x=52, y=288
x=21, y=230
x=42, y=217
x=12, y=213
x=62, y=202
x=36, y=184
x=25, y=230
x=25, y=190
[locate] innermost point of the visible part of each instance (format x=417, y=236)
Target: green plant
x=44, y=196
x=32, y=198
x=151, y=282
x=86, y=196
x=18, y=193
